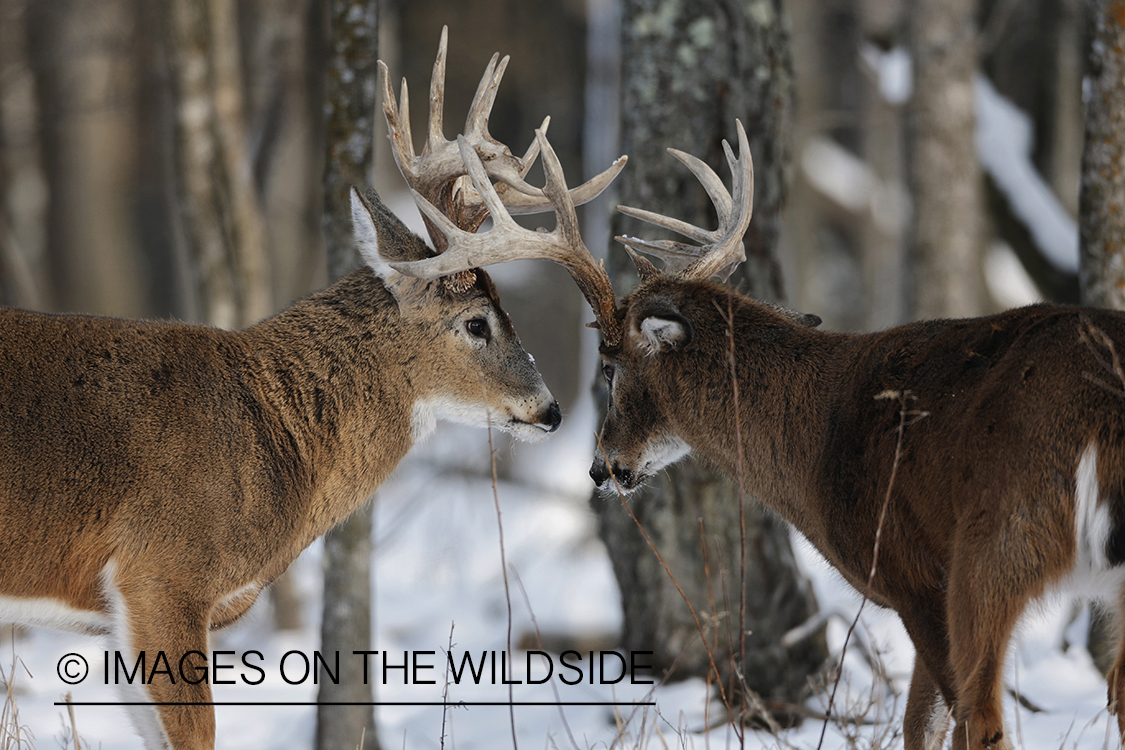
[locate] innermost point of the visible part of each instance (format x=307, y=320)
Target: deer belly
x=46, y=612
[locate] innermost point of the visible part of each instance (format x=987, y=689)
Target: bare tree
x=345, y=717
x=224, y=224
x=687, y=74
x=943, y=169
x=23, y=276
x=1102, y=197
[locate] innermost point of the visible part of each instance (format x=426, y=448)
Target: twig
x=539, y=640
x=1091, y=335
x=902, y=396
x=445, y=688
x=740, y=731
x=664, y=565
x=504, y=568
x=714, y=620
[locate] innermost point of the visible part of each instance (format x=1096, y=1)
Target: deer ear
x=381, y=237
x=807, y=320
x=666, y=332
x=366, y=233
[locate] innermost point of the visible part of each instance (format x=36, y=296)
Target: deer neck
x=335, y=373
x=769, y=433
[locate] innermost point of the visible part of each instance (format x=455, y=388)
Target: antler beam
x=507, y=240
x=438, y=173
x=720, y=251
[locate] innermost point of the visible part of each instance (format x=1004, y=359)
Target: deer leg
x=170, y=633
x=931, y=686
x=993, y=577
x=1116, y=678
x=926, y=721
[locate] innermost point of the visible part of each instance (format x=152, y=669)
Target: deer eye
x=478, y=327
x=607, y=371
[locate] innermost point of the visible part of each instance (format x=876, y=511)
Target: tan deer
x=156, y=476
x=1010, y=476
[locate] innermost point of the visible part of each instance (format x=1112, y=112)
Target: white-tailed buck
x=1009, y=480
x=155, y=476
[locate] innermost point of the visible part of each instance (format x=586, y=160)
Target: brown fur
x=981, y=519
x=161, y=474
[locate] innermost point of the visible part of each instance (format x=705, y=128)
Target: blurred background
x=914, y=159
x=103, y=109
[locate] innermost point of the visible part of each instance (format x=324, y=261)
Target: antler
x=439, y=173
x=507, y=240
x=719, y=251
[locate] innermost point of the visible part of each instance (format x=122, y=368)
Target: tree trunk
x=224, y=224
x=944, y=173
x=687, y=74
x=1102, y=198
x=352, y=35
x=1101, y=218
x=23, y=272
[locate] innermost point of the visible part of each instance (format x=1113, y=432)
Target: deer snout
x=553, y=417
x=601, y=474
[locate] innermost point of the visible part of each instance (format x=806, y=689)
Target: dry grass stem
x=671, y=577
x=903, y=398
x=1093, y=337
x=504, y=570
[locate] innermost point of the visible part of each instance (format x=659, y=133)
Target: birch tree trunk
x=688, y=71
x=352, y=40
x=223, y=219
x=943, y=170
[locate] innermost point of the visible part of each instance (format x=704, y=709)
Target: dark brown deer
x=156, y=476
x=1010, y=475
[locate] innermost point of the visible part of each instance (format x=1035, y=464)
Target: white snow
x=1004, y=138
x=893, y=69
x=438, y=569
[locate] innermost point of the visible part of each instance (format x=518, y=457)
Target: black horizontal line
x=451, y=704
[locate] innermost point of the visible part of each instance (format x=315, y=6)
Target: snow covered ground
x=439, y=571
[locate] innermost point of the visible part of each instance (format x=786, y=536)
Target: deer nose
x=554, y=416
x=625, y=477
x=599, y=472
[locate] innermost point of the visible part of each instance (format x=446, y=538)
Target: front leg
x=166, y=627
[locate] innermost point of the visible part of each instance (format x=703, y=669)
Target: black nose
x=599, y=472
x=624, y=477
x=554, y=416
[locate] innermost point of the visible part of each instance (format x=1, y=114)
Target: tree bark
x=944, y=173
x=1102, y=197
x=23, y=272
x=689, y=70
x=352, y=34
x=224, y=224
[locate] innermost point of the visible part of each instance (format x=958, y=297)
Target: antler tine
x=398, y=122
x=435, y=135
x=476, y=122
x=533, y=149
x=720, y=250
x=509, y=241
x=711, y=182
x=438, y=174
